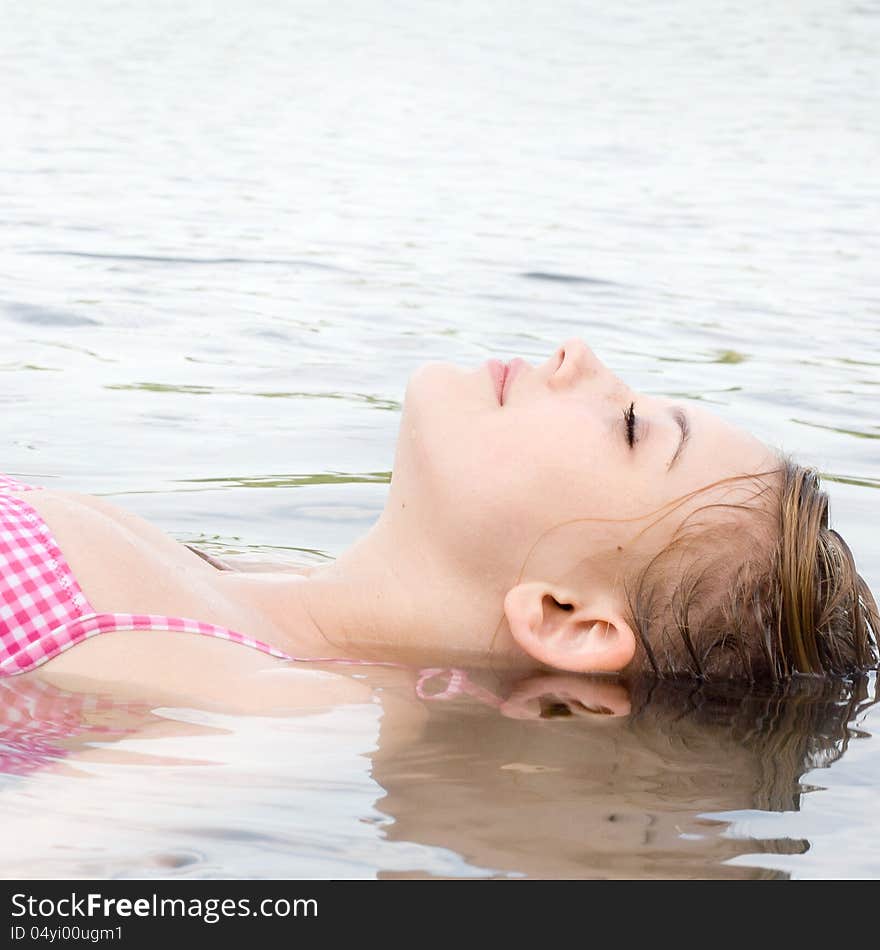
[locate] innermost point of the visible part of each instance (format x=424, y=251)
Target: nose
x=574, y=361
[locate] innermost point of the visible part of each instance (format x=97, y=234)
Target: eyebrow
x=678, y=414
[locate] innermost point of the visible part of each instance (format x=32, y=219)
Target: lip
x=502, y=375
x=498, y=373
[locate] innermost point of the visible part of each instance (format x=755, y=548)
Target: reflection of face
x=581, y=795
x=482, y=481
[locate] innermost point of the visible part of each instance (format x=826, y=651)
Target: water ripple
x=159, y=259
x=43, y=316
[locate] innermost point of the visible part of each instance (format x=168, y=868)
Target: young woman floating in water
x=539, y=518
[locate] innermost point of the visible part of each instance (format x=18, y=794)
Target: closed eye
x=679, y=416
x=684, y=427
x=629, y=418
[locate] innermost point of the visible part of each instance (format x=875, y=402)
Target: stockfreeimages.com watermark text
x=210, y=909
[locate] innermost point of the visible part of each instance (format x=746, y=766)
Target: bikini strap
x=459, y=685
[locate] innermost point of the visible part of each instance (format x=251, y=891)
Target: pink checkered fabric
x=43, y=611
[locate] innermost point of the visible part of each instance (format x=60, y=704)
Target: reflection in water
x=550, y=776
x=40, y=724
x=581, y=778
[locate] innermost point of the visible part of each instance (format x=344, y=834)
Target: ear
x=560, y=630
x=548, y=695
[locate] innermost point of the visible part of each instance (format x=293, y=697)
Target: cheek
x=488, y=477
x=470, y=475
x=552, y=459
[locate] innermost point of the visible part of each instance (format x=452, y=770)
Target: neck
x=379, y=602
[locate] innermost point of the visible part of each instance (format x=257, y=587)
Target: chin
x=432, y=379
x=441, y=432
x=425, y=405
x=438, y=396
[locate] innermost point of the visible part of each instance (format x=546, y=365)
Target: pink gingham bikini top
x=44, y=612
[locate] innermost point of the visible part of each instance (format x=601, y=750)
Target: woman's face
x=478, y=481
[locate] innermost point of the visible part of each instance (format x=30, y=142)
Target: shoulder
x=91, y=530
x=61, y=509
x=124, y=564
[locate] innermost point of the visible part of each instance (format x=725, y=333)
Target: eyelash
x=629, y=416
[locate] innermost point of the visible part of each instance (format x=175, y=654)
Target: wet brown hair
x=766, y=596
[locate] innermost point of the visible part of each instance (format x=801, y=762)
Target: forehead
x=718, y=448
